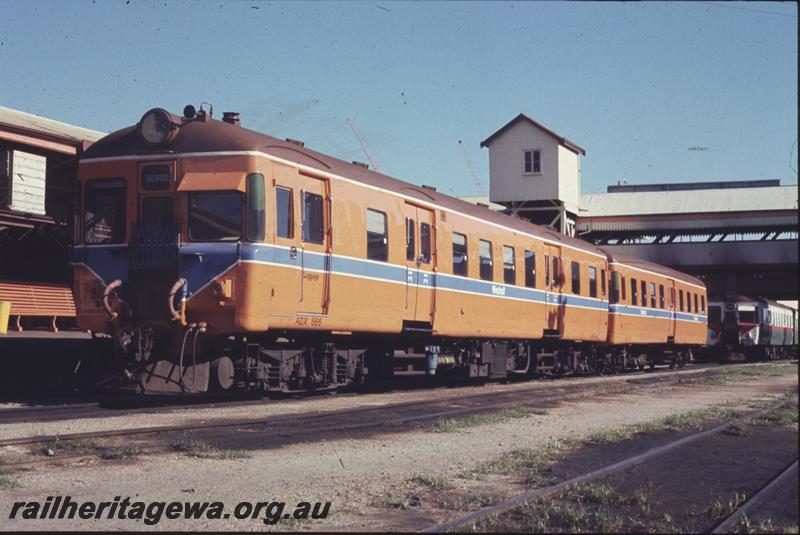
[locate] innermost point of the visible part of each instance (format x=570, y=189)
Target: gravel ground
x=112, y=419
x=355, y=475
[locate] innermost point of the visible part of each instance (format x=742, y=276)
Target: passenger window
x=425, y=243
x=546, y=271
x=215, y=216
x=702, y=303
x=644, y=293
x=688, y=302
x=624, y=291
x=592, y=281
x=634, y=293
x=603, y=282
x=696, y=310
x=485, y=257
x=575, y=269
x=284, y=213
x=652, y=295
x=312, y=230
x=661, y=296
x=255, y=207
x=615, y=284
x=509, y=266
x=459, y=254
x=104, y=216
x=410, y=245
x=680, y=299
x=556, y=279
x=377, y=236
x=530, y=269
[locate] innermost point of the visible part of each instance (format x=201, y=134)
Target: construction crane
x=476, y=179
x=371, y=156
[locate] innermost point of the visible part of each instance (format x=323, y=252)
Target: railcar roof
x=650, y=266
x=216, y=136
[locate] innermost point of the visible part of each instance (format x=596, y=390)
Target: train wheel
x=221, y=377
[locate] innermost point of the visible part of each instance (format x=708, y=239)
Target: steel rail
x=727, y=524
x=600, y=472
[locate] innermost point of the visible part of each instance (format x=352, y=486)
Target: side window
x=615, y=284
x=661, y=296
x=680, y=299
x=556, y=273
x=485, y=257
x=593, y=282
x=312, y=231
x=546, y=271
x=532, y=162
x=652, y=295
x=509, y=265
x=688, y=301
x=104, y=211
x=624, y=291
x=644, y=293
x=530, y=269
x=696, y=310
x=634, y=293
x=459, y=254
x=284, y=213
x=702, y=303
x=425, y=243
x=377, y=237
x=575, y=270
x=603, y=282
x=410, y=245
x=255, y=207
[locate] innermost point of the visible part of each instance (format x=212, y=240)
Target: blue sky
x=636, y=84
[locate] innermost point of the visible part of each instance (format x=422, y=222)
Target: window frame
x=485, y=269
x=231, y=192
x=256, y=188
x=510, y=269
x=530, y=268
x=303, y=217
x=592, y=281
x=384, y=256
x=575, y=277
x=124, y=217
x=464, y=256
x=289, y=213
x=534, y=153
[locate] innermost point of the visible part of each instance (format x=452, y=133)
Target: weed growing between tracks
x=84, y=447
x=738, y=374
x=203, y=450
x=745, y=525
x=448, y=425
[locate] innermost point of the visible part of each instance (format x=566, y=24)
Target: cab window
x=104, y=211
x=215, y=216
x=284, y=213
x=312, y=229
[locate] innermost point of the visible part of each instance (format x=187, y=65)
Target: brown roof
x=215, y=136
x=650, y=266
x=574, y=147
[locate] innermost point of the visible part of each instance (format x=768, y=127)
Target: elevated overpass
x=738, y=236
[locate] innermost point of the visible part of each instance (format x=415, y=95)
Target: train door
x=553, y=273
x=420, y=298
x=671, y=291
x=303, y=243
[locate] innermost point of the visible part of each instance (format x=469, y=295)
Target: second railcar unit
x=219, y=257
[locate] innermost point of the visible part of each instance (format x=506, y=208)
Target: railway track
x=725, y=526
x=293, y=428
x=113, y=405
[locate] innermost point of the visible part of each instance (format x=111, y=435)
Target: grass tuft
x=8, y=483
x=197, y=448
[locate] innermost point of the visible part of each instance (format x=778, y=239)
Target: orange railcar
x=224, y=256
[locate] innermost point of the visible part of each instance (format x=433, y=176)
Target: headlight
x=156, y=127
